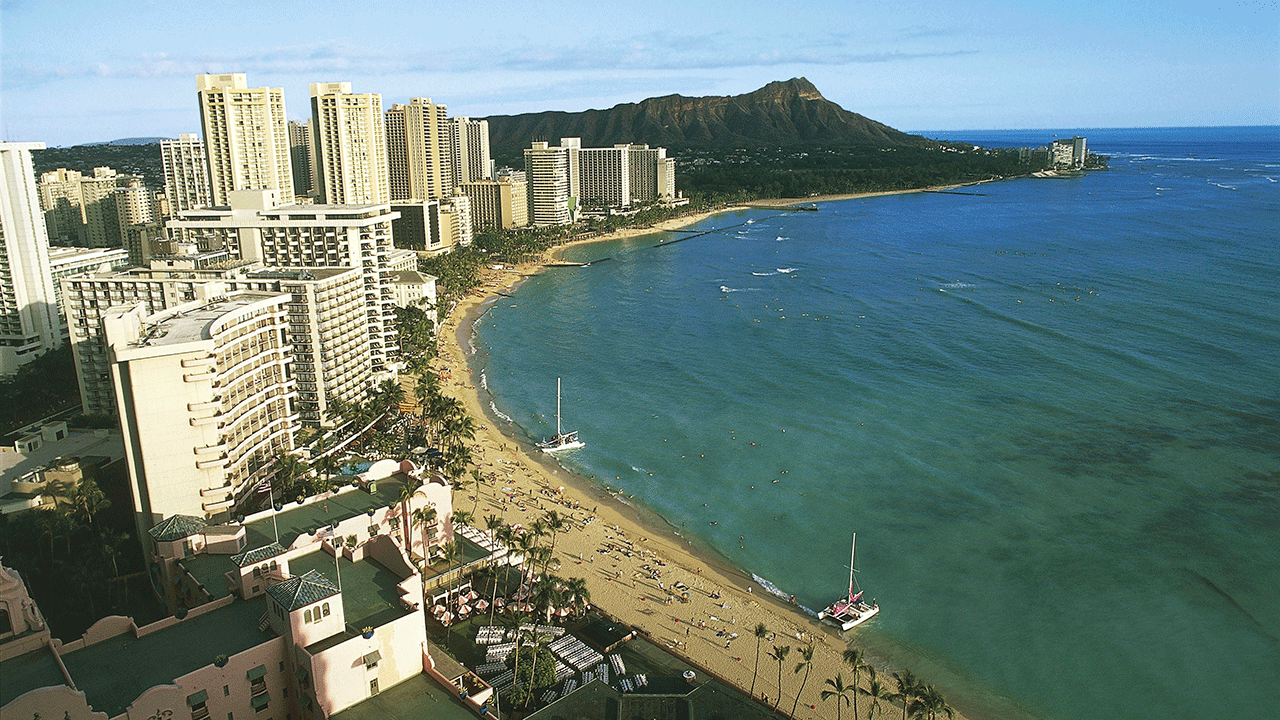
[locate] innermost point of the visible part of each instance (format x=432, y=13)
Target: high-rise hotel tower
x=245, y=135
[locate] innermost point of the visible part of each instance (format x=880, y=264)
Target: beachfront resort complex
x=236, y=335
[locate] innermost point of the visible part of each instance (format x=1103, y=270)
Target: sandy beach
x=636, y=568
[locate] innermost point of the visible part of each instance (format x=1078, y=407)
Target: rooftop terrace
x=159, y=658
x=416, y=698
x=370, y=592
x=28, y=672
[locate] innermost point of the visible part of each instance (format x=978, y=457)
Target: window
x=325, y=609
x=373, y=689
x=226, y=690
x=306, y=615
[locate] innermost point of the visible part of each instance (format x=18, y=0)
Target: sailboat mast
x=559, y=432
x=853, y=548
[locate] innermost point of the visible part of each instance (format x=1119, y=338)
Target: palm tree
x=289, y=468
x=839, y=691
x=424, y=517
x=806, y=653
x=424, y=390
x=930, y=703
x=89, y=500
x=856, y=659
x=908, y=686
x=462, y=517
x=547, y=595
x=877, y=691
x=779, y=654
x=452, y=552
x=555, y=523
x=577, y=594
x=761, y=632
x=477, y=481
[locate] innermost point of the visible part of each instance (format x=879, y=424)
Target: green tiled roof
x=303, y=590
x=257, y=555
x=177, y=527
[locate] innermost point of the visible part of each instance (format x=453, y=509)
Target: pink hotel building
x=311, y=612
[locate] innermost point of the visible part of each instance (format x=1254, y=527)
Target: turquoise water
x=1050, y=409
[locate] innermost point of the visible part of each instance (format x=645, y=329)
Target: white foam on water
x=787, y=271
x=498, y=413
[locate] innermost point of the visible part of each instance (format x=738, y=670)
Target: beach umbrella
x=445, y=619
x=482, y=604
x=471, y=596
x=438, y=609
x=464, y=611
x=562, y=612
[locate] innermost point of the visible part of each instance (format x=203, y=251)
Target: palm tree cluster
x=416, y=332
x=442, y=423
x=73, y=554
x=918, y=699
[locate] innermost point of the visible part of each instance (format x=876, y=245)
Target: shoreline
x=700, y=629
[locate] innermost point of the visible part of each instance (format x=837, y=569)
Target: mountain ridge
x=781, y=113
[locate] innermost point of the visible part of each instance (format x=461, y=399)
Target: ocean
x=1050, y=409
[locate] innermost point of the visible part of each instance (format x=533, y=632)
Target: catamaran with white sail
x=849, y=612
x=562, y=440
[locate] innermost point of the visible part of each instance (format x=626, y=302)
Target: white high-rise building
x=456, y=228
x=332, y=355
x=348, y=134
x=604, y=176
x=29, y=322
x=551, y=172
x=206, y=398
x=186, y=173
x=245, y=135
x=470, y=142
x=260, y=228
x=420, y=151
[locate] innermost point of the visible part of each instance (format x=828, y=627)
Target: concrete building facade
x=349, y=140
x=246, y=137
x=470, y=141
x=552, y=184
x=29, y=323
x=502, y=203
x=258, y=227
x=420, y=151
x=302, y=157
x=186, y=173
x=206, y=400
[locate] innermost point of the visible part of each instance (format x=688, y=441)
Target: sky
x=74, y=71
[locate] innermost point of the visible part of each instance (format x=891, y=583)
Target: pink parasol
x=482, y=604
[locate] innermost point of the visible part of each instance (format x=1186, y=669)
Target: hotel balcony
x=218, y=492
x=205, y=407
x=218, y=505
x=220, y=461
x=207, y=450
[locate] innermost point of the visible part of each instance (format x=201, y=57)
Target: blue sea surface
x=1050, y=408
